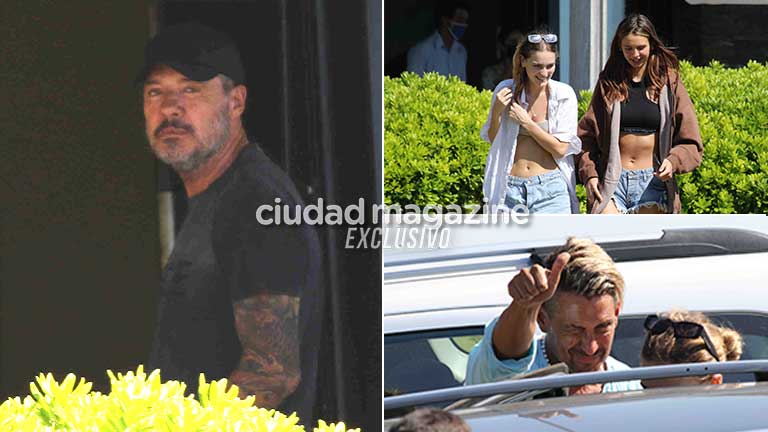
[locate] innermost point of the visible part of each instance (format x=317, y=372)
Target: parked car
x=435, y=303
x=726, y=407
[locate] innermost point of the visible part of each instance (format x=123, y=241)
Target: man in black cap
x=239, y=299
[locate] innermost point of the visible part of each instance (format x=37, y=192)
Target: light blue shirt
x=485, y=367
x=431, y=55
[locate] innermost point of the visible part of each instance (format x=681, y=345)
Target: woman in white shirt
x=532, y=130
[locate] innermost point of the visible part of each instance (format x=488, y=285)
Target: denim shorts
x=546, y=193
x=639, y=188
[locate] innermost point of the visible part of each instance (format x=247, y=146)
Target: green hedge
x=732, y=108
x=432, y=148
x=434, y=155
x=141, y=402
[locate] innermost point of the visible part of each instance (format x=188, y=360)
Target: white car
x=436, y=302
x=736, y=407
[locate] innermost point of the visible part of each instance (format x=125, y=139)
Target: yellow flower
x=333, y=427
x=138, y=401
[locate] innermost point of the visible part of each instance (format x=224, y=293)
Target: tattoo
x=268, y=327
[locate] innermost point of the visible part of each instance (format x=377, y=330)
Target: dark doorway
x=408, y=22
x=79, y=221
x=308, y=73
x=731, y=34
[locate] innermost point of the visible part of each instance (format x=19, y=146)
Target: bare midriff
x=531, y=159
x=637, y=150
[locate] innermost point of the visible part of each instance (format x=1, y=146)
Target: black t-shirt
x=223, y=254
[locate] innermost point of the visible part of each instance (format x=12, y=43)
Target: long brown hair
x=616, y=73
x=523, y=51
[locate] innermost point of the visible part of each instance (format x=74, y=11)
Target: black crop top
x=639, y=115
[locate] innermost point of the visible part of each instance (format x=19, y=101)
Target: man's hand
x=529, y=289
x=532, y=287
x=593, y=191
x=268, y=328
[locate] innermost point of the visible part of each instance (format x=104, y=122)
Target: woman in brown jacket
x=640, y=129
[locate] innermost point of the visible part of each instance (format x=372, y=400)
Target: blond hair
x=665, y=348
x=590, y=272
x=523, y=51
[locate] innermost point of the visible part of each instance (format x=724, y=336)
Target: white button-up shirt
x=562, y=114
x=431, y=55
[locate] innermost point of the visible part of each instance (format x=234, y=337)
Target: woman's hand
x=666, y=171
x=503, y=97
x=519, y=115
x=593, y=192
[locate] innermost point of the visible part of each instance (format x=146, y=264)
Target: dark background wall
x=406, y=22
x=308, y=77
x=79, y=251
x=79, y=255
x=731, y=34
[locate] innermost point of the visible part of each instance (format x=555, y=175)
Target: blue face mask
x=457, y=30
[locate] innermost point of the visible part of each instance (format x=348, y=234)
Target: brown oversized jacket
x=679, y=141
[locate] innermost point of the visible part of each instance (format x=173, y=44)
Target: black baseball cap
x=194, y=50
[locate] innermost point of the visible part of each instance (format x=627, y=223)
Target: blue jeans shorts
x=546, y=193
x=639, y=188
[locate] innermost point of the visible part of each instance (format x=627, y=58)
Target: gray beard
x=210, y=145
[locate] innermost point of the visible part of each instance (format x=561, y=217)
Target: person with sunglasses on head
x=531, y=127
x=640, y=129
x=442, y=52
x=681, y=336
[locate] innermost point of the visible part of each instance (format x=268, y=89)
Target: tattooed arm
x=268, y=328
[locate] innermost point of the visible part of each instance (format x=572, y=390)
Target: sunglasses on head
x=548, y=38
x=683, y=329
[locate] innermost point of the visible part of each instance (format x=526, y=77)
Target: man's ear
x=543, y=319
x=237, y=98
x=617, y=310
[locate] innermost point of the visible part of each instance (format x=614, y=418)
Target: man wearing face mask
x=442, y=52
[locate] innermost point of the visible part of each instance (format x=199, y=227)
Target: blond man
x=575, y=298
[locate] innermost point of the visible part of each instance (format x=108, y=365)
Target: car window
x=419, y=361
x=753, y=327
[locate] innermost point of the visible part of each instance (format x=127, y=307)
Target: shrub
x=432, y=148
x=732, y=108
x=433, y=153
x=141, y=402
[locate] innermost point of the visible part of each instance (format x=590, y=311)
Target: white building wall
x=590, y=25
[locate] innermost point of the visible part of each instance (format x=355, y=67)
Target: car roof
x=729, y=407
x=555, y=229
x=467, y=287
